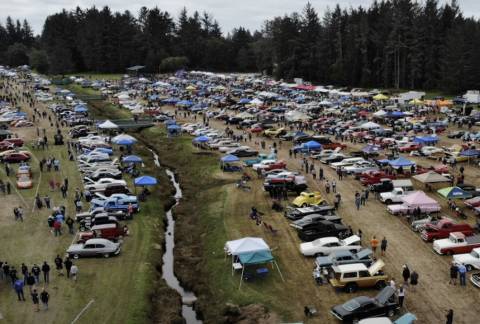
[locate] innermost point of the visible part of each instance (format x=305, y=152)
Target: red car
x=256, y=129
x=443, y=228
x=16, y=157
x=276, y=165
x=6, y=146
x=332, y=146
x=409, y=147
x=18, y=142
x=373, y=177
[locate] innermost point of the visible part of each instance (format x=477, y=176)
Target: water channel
x=188, y=297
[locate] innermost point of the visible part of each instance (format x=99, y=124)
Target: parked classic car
x=102, y=184
x=350, y=277
x=327, y=245
x=94, y=247
x=308, y=198
x=442, y=229
x=456, y=243
x=470, y=260
x=384, y=304
x=345, y=257
x=298, y=213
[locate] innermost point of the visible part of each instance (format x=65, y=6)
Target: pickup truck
x=323, y=229
x=258, y=159
x=470, y=260
x=456, y=243
x=373, y=177
x=394, y=196
x=385, y=185
x=443, y=228
x=113, y=204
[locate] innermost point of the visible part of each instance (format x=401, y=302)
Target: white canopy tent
x=108, y=125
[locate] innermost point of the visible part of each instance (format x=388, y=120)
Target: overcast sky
x=229, y=13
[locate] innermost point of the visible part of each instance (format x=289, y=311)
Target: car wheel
x=351, y=288
x=355, y=321
x=106, y=255
x=380, y=284
x=304, y=205
x=390, y=313
x=449, y=252
x=76, y=256
x=388, y=202
x=469, y=267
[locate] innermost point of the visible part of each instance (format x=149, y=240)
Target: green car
x=258, y=159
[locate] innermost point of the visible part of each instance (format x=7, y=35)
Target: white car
x=326, y=245
x=263, y=165
x=220, y=142
x=323, y=154
x=101, y=184
x=347, y=162
x=92, y=138
x=429, y=150
x=228, y=147
x=360, y=167
x=470, y=260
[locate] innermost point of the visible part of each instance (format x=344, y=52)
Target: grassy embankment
x=210, y=214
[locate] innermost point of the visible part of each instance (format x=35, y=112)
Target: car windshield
x=351, y=305
x=474, y=254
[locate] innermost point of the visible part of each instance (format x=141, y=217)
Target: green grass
x=97, y=76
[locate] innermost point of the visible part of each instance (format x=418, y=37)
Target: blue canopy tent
x=401, y=162
x=132, y=159
x=170, y=101
x=454, y=193
x=229, y=158
x=201, y=139
x=125, y=141
x=80, y=109
x=184, y=103
x=170, y=122
x=312, y=146
x=255, y=258
x=144, y=181
x=426, y=140
x=244, y=101
x=395, y=114
x=225, y=163
x=173, y=129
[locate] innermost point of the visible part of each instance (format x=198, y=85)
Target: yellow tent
x=380, y=96
x=416, y=102
x=190, y=88
x=443, y=103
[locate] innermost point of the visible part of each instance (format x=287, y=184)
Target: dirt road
x=433, y=295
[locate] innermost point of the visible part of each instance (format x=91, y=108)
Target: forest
x=390, y=44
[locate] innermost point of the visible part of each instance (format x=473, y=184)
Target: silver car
x=94, y=247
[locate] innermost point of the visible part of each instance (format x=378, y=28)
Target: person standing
x=74, y=272
x=59, y=265
x=70, y=223
x=357, y=200
x=449, y=316
x=44, y=297
x=405, y=274
x=383, y=245
x=36, y=273
x=413, y=280
x=68, y=266
x=374, y=244
x=401, y=296
x=46, y=272
x=35, y=300
x=462, y=271
x=453, y=274
x=18, y=286
x=334, y=186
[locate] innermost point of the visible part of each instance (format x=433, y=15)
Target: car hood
x=340, y=310
x=323, y=261
x=75, y=247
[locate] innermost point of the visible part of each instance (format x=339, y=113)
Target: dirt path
x=433, y=295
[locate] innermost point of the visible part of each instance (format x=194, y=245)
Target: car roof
x=350, y=267
x=97, y=241
x=103, y=226
x=329, y=239
x=340, y=253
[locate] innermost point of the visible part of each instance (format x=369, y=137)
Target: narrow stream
x=188, y=297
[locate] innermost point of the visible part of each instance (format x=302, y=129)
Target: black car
x=291, y=186
x=385, y=185
x=384, y=304
x=471, y=189
x=456, y=134
x=244, y=153
x=322, y=229
x=298, y=213
x=313, y=219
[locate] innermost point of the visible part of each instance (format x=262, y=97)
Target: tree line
x=391, y=44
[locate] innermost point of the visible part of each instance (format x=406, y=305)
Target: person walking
x=46, y=199
x=383, y=246
x=413, y=280
x=35, y=300
x=74, y=272
x=70, y=222
x=68, y=266
x=401, y=296
x=327, y=187
x=357, y=200
x=46, y=272
x=334, y=186
x=44, y=297
x=374, y=244
x=449, y=316
x=18, y=286
x=453, y=274
x=59, y=265
x=462, y=271
x=405, y=274
x=36, y=273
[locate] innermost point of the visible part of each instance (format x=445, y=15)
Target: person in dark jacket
x=453, y=274
x=449, y=316
x=59, y=265
x=68, y=265
x=30, y=281
x=46, y=272
x=44, y=297
x=413, y=280
x=35, y=300
x=405, y=274
x=36, y=273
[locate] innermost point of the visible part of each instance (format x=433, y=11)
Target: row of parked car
x=110, y=199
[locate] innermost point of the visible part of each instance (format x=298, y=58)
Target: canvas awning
x=430, y=177
x=246, y=245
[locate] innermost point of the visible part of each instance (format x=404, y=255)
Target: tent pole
x=281, y=276
x=241, y=278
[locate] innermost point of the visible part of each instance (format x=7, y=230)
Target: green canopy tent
x=257, y=257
